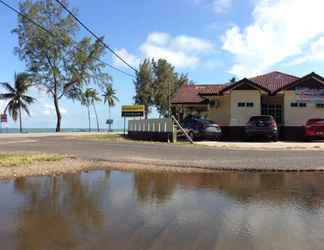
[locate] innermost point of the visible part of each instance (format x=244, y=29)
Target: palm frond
x=6, y=96
x=25, y=108
x=28, y=99
x=8, y=87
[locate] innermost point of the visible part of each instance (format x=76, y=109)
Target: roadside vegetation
x=14, y=160
x=62, y=63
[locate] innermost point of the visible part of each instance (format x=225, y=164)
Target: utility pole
x=169, y=98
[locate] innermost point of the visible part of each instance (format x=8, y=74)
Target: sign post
x=132, y=111
x=3, y=119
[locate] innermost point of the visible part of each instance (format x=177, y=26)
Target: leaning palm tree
x=110, y=98
x=17, y=98
x=89, y=98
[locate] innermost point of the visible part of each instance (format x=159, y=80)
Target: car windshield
x=206, y=122
x=261, y=118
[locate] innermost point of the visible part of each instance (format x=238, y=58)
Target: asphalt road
x=168, y=154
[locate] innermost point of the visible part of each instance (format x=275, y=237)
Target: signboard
x=310, y=95
x=133, y=111
x=3, y=118
x=110, y=121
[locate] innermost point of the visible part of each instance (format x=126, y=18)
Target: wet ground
x=126, y=210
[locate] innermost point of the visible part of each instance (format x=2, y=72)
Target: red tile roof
x=211, y=89
x=188, y=94
x=274, y=80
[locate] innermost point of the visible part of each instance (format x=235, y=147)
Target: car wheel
x=275, y=138
x=307, y=139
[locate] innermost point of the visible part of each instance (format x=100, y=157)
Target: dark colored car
x=314, y=129
x=198, y=128
x=262, y=126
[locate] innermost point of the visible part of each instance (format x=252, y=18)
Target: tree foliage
x=144, y=86
x=60, y=62
x=17, y=97
x=156, y=84
x=89, y=98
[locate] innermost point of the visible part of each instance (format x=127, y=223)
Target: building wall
x=241, y=115
x=220, y=114
x=297, y=116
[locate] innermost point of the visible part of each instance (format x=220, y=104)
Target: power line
x=96, y=36
x=53, y=35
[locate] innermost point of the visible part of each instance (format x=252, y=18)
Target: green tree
x=144, y=86
x=166, y=83
x=17, y=97
x=110, y=98
x=89, y=98
x=233, y=80
x=59, y=62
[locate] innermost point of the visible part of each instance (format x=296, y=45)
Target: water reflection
x=114, y=210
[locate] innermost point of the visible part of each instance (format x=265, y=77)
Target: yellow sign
x=133, y=110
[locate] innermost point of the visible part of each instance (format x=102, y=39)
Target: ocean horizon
x=52, y=130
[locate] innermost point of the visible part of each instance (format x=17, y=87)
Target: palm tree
x=16, y=95
x=89, y=98
x=110, y=98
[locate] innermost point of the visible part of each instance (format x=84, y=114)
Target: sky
x=210, y=40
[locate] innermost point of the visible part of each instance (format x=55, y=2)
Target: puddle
x=126, y=210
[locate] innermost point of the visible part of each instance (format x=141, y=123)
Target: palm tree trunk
x=89, y=118
x=94, y=108
x=20, y=120
x=109, y=118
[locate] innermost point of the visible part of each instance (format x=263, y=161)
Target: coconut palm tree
x=89, y=98
x=110, y=98
x=16, y=96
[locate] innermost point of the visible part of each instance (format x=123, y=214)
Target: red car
x=314, y=129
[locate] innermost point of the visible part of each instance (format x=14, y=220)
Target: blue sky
x=211, y=40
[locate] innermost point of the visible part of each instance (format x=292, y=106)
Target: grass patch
x=111, y=137
x=11, y=160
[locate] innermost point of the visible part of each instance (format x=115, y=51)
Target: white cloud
x=315, y=52
x=221, y=6
x=281, y=30
x=128, y=57
x=49, y=110
x=218, y=6
x=181, y=51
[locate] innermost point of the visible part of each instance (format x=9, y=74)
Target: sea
x=52, y=130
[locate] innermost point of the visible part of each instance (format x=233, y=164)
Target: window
x=320, y=105
x=250, y=104
x=294, y=104
x=241, y=104
x=302, y=105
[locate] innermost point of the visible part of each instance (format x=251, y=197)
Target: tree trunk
x=58, y=114
x=89, y=118
x=94, y=108
x=20, y=120
x=146, y=109
x=109, y=118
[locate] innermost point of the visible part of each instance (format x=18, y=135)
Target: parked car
x=314, y=129
x=262, y=126
x=198, y=128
